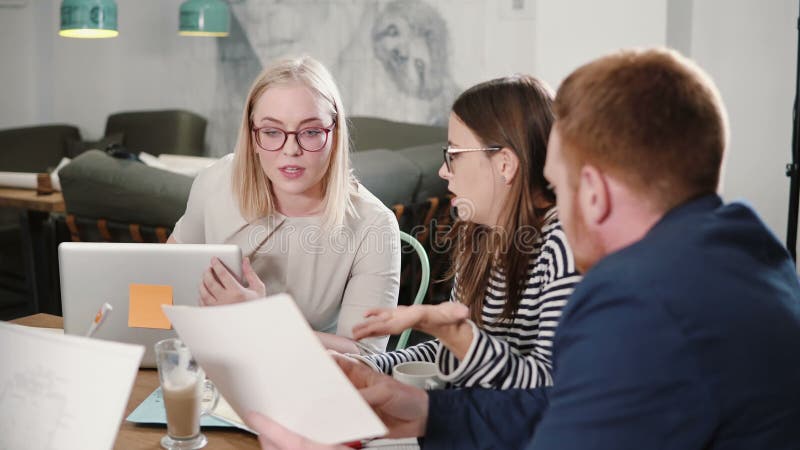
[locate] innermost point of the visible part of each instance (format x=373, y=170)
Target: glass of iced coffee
x=183, y=387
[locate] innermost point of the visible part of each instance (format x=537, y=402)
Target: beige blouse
x=334, y=275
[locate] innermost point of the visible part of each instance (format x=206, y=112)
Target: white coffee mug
x=418, y=373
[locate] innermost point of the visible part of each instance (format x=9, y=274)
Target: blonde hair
x=252, y=188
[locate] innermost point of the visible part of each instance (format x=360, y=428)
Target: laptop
x=96, y=273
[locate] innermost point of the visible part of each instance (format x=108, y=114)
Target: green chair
x=160, y=131
x=423, y=285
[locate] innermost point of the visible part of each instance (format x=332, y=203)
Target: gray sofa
x=40, y=148
x=96, y=185
x=159, y=131
x=398, y=162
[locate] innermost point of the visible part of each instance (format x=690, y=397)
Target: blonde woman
x=286, y=196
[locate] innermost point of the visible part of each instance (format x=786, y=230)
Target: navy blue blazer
x=687, y=339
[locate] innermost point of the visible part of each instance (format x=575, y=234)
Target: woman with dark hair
x=513, y=270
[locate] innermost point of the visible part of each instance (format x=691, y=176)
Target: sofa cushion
x=34, y=149
x=76, y=146
x=428, y=158
x=99, y=186
x=389, y=176
x=165, y=131
x=372, y=132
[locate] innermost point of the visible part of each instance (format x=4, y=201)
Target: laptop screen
x=135, y=279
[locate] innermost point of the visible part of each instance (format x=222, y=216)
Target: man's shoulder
x=688, y=241
x=705, y=255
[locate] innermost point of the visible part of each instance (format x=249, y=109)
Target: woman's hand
x=431, y=319
x=220, y=286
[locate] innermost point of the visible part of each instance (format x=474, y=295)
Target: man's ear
x=506, y=164
x=594, y=196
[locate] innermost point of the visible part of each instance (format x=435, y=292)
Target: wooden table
x=30, y=200
x=132, y=436
x=38, y=245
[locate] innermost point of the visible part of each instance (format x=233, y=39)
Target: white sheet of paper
x=186, y=161
x=22, y=180
x=182, y=164
x=45, y=330
x=27, y=180
x=61, y=391
x=263, y=356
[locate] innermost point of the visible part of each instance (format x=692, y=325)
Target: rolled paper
x=22, y=180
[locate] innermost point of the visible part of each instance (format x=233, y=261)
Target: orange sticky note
x=144, y=307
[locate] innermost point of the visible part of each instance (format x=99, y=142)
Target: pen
x=358, y=444
x=99, y=318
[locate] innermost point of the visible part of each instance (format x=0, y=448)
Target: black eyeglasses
x=311, y=139
x=448, y=152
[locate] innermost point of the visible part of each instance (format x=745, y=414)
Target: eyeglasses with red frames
x=310, y=139
x=448, y=152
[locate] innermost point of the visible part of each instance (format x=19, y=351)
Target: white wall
x=46, y=78
x=148, y=66
x=573, y=32
x=53, y=79
x=17, y=66
x=749, y=48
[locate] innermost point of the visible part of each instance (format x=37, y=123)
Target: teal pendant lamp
x=88, y=18
x=204, y=18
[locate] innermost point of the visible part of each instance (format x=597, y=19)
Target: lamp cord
x=793, y=168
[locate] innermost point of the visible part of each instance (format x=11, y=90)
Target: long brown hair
x=515, y=113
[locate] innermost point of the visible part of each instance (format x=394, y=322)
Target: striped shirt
x=507, y=354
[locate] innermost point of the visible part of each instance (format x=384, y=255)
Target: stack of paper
x=60, y=391
x=263, y=356
x=151, y=411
